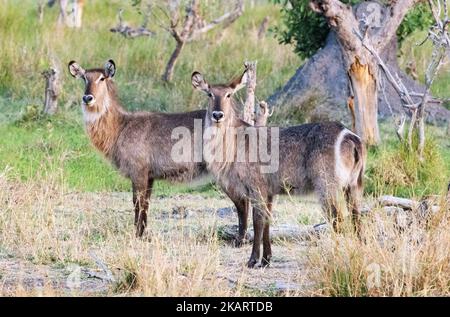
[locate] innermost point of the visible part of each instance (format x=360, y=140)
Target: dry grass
x=389, y=261
x=35, y=229
x=47, y=233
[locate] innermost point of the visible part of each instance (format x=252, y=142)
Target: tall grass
x=394, y=170
x=421, y=56
x=29, y=47
x=36, y=229
x=388, y=261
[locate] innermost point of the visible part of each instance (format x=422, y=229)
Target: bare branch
x=130, y=32
x=224, y=21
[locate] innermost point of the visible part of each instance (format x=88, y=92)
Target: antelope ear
x=199, y=83
x=239, y=82
x=75, y=69
x=110, y=68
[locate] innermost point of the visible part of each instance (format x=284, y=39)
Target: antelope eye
x=228, y=95
x=210, y=95
x=102, y=78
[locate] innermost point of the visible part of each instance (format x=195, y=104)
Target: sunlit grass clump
x=396, y=170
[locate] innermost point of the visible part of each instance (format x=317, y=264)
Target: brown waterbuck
x=326, y=158
x=140, y=144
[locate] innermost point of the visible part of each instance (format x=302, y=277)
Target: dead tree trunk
x=40, y=11
x=62, y=17
x=343, y=65
x=168, y=73
x=439, y=36
x=263, y=114
x=363, y=80
x=361, y=67
x=249, y=105
x=72, y=18
x=180, y=37
x=52, y=90
x=263, y=27
x=193, y=27
x=77, y=13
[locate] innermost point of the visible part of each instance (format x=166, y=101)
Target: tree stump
x=249, y=106
x=52, y=90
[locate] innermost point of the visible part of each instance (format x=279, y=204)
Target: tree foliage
x=307, y=30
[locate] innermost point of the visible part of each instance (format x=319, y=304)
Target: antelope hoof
x=140, y=231
x=238, y=243
x=251, y=263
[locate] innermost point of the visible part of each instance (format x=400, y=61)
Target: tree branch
x=341, y=18
x=397, y=11
x=130, y=32
x=225, y=21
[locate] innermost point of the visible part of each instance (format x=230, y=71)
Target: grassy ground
x=59, y=144
x=62, y=233
x=28, y=48
x=62, y=201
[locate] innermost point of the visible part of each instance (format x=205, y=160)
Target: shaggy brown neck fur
x=105, y=130
x=224, y=142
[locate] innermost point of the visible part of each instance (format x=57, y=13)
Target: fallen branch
x=282, y=232
x=107, y=274
x=403, y=203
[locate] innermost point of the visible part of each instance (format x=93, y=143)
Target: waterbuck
x=140, y=144
x=326, y=158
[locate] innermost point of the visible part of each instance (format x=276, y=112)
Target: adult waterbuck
x=326, y=158
x=139, y=144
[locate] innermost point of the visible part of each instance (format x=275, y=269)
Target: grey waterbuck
x=139, y=144
x=326, y=158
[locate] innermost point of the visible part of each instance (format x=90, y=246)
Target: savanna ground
x=64, y=210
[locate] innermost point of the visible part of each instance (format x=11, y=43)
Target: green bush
x=307, y=30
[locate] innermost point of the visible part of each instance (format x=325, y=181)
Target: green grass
x=56, y=145
x=421, y=55
x=393, y=170
x=28, y=48
x=59, y=145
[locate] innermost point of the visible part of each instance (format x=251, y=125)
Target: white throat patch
x=91, y=117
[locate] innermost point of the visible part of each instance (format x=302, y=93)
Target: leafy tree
x=308, y=30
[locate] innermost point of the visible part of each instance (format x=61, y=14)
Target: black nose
x=88, y=99
x=217, y=115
